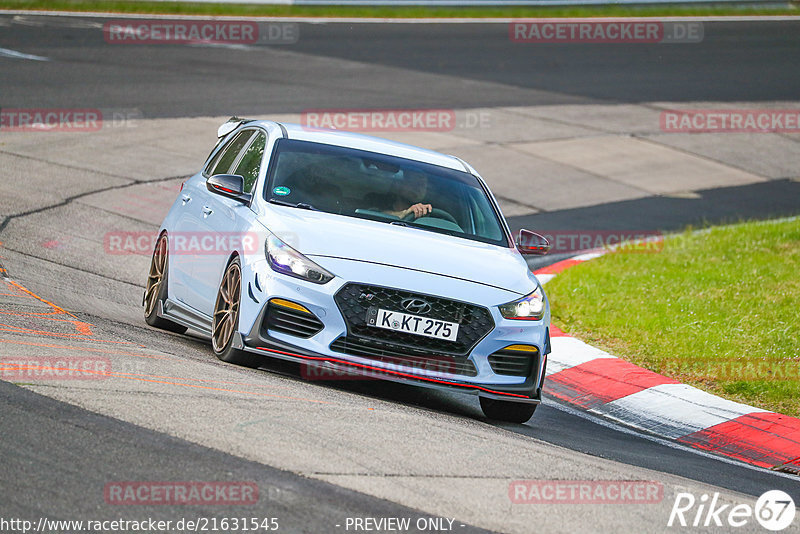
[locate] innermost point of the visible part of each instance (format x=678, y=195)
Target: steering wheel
x=435, y=212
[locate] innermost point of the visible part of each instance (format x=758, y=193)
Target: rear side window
x=224, y=159
x=250, y=163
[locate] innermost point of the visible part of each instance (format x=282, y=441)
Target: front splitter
x=525, y=392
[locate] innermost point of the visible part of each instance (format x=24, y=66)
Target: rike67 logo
x=774, y=511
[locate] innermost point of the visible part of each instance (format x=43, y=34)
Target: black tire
x=510, y=412
x=225, y=321
x=156, y=288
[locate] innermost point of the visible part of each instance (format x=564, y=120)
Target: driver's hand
x=419, y=210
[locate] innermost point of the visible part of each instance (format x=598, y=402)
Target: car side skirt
x=184, y=315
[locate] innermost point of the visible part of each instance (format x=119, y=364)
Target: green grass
x=789, y=8
x=718, y=309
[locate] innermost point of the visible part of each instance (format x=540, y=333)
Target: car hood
x=320, y=235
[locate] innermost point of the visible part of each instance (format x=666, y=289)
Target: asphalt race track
x=394, y=66
x=320, y=453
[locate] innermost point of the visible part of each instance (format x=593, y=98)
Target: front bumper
x=318, y=351
x=529, y=391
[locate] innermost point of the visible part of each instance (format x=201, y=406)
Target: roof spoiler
x=231, y=125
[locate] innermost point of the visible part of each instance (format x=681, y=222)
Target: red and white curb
x=595, y=381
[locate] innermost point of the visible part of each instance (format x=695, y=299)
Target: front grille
x=380, y=352
x=354, y=300
x=514, y=362
x=292, y=322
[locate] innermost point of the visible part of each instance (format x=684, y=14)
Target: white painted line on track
x=385, y=20
x=228, y=46
x=6, y=52
x=594, y=418
x=64, y=22
x=571, y=352
x=673, y=410
x=589, y=256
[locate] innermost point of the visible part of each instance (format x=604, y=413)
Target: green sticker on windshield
x=282, y=191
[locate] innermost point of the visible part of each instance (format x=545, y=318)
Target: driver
x=410, y=190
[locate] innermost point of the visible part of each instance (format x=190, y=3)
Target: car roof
x=366, y=142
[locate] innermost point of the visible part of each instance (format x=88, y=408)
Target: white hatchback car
x=350, y=253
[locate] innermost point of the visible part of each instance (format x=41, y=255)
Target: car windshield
x=382, y=188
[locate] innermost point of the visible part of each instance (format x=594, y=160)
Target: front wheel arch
x=226, y=310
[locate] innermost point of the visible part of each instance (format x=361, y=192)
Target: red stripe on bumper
x=602, y=380
x=396, y=373
x=765, y=439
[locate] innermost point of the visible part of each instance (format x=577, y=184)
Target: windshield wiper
x=426, y=228
x=301, y=205
x=410, y=224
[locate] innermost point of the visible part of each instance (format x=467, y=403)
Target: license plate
x=412, y=324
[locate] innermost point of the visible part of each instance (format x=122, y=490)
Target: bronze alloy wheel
x=226, y=308
x=155, y=289
x=156, y=277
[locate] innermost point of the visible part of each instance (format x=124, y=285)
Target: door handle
x=207, y=211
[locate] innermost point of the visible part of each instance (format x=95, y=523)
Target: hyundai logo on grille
x=416, y=306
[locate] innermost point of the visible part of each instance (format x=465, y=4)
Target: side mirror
x=532, y=243
x=229, y=185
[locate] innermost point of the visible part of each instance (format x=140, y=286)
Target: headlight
x=530, y=307
x=288, y=261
